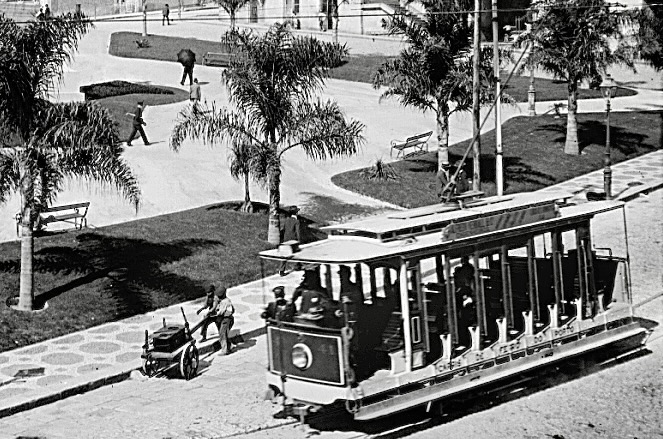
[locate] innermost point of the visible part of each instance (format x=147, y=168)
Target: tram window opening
x=416, y=330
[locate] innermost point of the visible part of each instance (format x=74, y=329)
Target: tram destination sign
x=499, y=221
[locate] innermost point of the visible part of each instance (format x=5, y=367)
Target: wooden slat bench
x=417, y=142
x=219, y=59
x=75, y=214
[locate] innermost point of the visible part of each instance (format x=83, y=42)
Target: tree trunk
x=571, y=146
x=26, y=289
x=233, y=19
x=246, y=207
x=144, y=18
x=273, y=232
x=442, y=137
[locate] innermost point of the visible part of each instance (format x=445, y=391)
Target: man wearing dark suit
x=137, y=125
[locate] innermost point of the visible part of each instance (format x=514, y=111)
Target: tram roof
x=518, y=214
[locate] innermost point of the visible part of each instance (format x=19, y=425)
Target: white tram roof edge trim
x=466, y=224
x=394, y=221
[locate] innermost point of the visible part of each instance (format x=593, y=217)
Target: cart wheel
x=189, y=362
x=149, y=366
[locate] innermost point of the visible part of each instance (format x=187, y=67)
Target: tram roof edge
x=532, y=218
x=435, y=213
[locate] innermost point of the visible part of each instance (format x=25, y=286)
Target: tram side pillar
x=445, y=340
x=475, y=336
x=578, y=304
x=501, y=330
x=529, y=322
x=554, y=316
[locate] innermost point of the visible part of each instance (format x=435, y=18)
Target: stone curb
x=639, y=190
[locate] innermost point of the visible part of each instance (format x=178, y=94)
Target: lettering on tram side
x=510, y=347
x=563, y=331
x=506, y=220
x=443, y=367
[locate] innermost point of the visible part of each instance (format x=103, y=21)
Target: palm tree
x=577, y=40
x=434, y=71
x=45, y=143
x=272, y=82
x=231, y=7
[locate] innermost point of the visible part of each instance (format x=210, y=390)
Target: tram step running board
x=473, y=380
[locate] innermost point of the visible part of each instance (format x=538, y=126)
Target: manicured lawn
x=91, y=277
x=359, y=68
x=533, y=156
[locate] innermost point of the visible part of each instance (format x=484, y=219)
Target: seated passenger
x=280, y=309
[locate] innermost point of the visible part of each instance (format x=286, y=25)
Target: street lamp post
x=608, y=88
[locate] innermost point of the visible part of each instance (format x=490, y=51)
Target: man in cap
x=223, y=311
x=279, y=309
x=137, y=125
x=209, y=304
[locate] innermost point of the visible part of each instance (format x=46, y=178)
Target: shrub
x=119, y=88
x=379, y=171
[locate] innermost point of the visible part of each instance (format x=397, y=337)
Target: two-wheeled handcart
x=171, y=345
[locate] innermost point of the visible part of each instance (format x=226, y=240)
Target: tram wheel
x=149, y=366
x=189, y=362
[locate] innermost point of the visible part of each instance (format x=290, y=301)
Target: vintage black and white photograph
x=331, y=218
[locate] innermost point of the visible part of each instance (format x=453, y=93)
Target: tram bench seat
x=466, y=196
x=392, y=336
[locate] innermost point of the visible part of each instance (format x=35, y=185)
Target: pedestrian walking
x=187, y=58
x=137, y=125
x=322, y=17
x=290, y=231
x=223, y=313
x=209, y=305
x=40, y=14
x=194, y=92
x=47, y=12
x=166, y=15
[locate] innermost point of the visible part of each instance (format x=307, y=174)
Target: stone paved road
x=226, y=399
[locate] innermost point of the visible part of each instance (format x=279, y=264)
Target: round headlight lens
x=301, y=356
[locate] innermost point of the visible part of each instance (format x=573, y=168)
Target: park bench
x=75, y=214
x=219, y=59
x=417, y=143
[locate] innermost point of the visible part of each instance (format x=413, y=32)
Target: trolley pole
x=499, y=173
x=476, y=107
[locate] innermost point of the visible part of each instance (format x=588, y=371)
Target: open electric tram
x=441, y=300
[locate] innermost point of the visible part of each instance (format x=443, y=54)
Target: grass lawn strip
x=533, y=156
x=360, y=68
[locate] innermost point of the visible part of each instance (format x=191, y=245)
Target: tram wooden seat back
x=392, y=336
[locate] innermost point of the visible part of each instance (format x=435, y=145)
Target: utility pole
x=476, y=108
x=499, y=174
x=144, y=18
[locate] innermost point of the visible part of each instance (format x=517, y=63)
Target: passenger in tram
x=280, y=309
x=468, y=317
x=351, y=295
x=464, y=277
x=309, y=288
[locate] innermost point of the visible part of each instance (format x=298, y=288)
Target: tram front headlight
x=302, y=357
